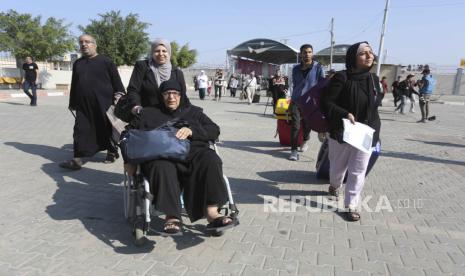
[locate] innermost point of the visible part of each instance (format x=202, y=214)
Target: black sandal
x=219, y=224
x=71, y=165
x=111, y=157
x=172, y=228
x=353, y=215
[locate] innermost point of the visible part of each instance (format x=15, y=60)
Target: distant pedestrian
x=384, y=90
x=426, y=89
x=250, y=86
x=196, y=84
x=232, y=85
x=412, y=92
x=405, y=93
x=209, y=88
x=219, y=79
x=202, y=81
x=278, y=87
x=30, y=80
x=95, y=86
x=396, y=91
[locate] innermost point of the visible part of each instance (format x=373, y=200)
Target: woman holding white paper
x=352, y=94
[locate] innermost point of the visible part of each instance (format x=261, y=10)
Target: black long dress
x=93, y=85
x=200, y=176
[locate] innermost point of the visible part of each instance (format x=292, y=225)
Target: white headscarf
x=162, y=72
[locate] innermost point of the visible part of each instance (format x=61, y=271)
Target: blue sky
x=426, y=31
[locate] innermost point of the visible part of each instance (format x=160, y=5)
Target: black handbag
x=139, y=146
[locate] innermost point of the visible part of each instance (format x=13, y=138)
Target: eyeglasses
x=82, y=42
x=166, y=94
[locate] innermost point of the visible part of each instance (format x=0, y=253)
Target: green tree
x=23, y=35
x=182, y=57
x=124, y=40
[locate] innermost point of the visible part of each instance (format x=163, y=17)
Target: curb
x=43, y=93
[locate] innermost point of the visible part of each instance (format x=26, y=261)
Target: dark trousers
x=402, y=104
x=31, y=85
x=276, y=95
x=396, y=98
x=296, y=123
x=218, y=90
x=201, y=179
x=233, y=92
x=202, y=93
x=424, y=106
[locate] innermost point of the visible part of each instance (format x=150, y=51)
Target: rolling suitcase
x=322, y=163
x=284, y=132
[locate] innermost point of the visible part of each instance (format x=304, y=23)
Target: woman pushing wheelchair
x=198, y=177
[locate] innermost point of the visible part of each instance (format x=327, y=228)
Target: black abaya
x=200, y=176
x=93, y=85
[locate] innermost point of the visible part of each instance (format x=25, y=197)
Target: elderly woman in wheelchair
x=199, y=178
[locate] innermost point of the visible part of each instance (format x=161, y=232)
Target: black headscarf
x=184, y=103
x=360, y=80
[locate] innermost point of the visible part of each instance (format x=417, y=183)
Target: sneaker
x=304, y=146
x=294, y=156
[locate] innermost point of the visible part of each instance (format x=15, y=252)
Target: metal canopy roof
x=265, y=50
x=339, y=54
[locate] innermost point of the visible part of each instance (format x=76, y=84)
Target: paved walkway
x=55, y=222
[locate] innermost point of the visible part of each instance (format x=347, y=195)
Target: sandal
x=353, y=215
x=333, y=192
x=172, y=228
x=221, y=223
x=71, y=165
x=111, y=157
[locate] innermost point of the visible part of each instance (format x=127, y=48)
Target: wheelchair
x=138, y=208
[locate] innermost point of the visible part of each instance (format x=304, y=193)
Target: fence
x=449, y=79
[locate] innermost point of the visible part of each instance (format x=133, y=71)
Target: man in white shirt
x=250, y=86
x=202, y=81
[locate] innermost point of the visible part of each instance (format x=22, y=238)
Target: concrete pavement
x=55, y=222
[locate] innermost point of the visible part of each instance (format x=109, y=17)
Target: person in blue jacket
x=305, y=75
x=426, y=89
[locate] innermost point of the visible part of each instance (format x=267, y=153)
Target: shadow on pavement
x=251, y=146
x=248, y=191
x=260, y=114
x=91, y=196
x=14, y=103
x=445, y=144
x=417, y=157
x=299, y=177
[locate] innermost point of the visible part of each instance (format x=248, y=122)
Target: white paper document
x=359, y=135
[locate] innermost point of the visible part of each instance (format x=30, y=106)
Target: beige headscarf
x=162, y=72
